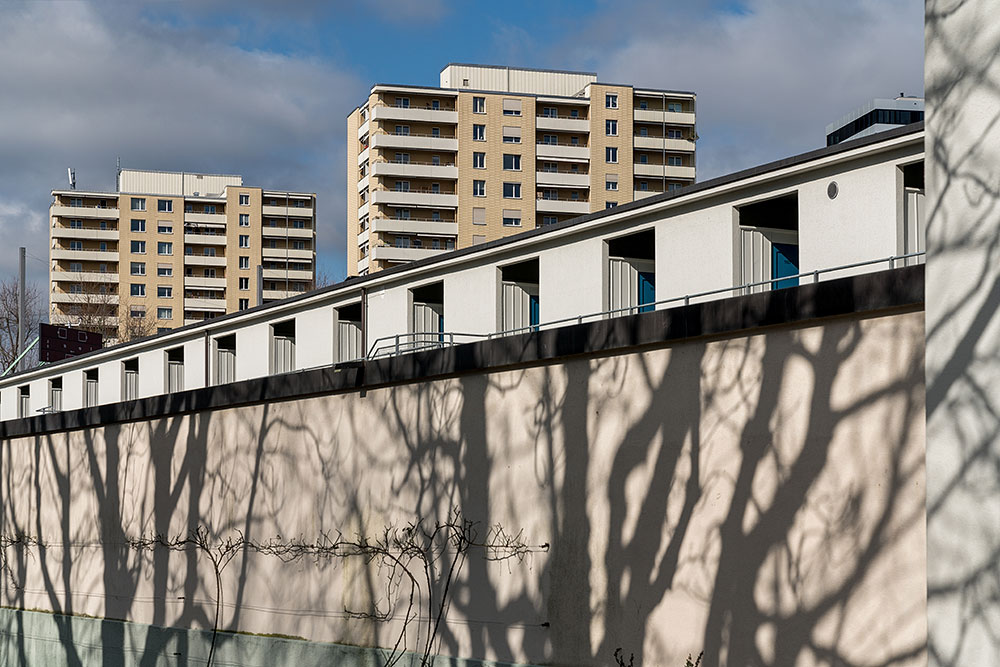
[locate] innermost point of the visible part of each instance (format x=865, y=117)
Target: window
x=644, y=186
x=164, y=313
x=549, y=220
x=210, y=208
x=244, y=304
x=511, y=135
x=244, y=199
x=435, y=104
x=643, y=105
x=283, y=347
x=435, y=215
x=209, y=252
x=402, y=241
x=610, y=204
x=175, y=369
x=76, y=202
x=611, y=101
x=402, y=158
x=511, y=190
x=244, y=219
x=298, y=245
x=244, y=262
x=244, y=240
x=479, y=160
x=138, y=247
x=675, y=134
x=402, y=214
x=103, y=246
x=611, y=184
x=164, y=270
x=574, y=113
x=164, y=205
x=479, y=216
x=511, y=162
x=435, y=131
x=643, y=132
x=76, y=289
x=188, y=208
x=138, y=204
x=76, y=224
x=402, y=130
x=435, y=160
x=574, y=141
x=673, y=187
x=478, y=238
x=512, y=107
x=549, y=112
x=209, y=273
x=164, y=248
x=402, y=102
x=137, y=269
x=479, y=133
x=138, y=226
x=244, y=284
x=675, y=161
x=611, y=128
x=164, y=292
x=611, y=155
x=550, y=139
x=137, y=312
x=675, y=107
x=511, y=218
x=643, y=158
x=298, y=224
x=478, y=188
x=76, y=266
x=137, y=289
x=478, y=104
x=164, y=228
x=402, y=186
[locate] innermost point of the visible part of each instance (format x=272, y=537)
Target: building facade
x=169, y=248
x=878, y=115
x=494, y=151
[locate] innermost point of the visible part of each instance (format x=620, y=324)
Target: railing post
x=892, y=262
x=815, y=276
x=687, y=299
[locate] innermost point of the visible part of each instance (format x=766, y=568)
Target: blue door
x=784, y=262
x=647, y=290
x=533, y=309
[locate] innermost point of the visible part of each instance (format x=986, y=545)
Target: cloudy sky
x=263, y=88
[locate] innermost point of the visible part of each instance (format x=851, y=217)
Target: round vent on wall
x=832, y=190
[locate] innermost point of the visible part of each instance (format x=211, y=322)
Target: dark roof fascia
x=865, y=295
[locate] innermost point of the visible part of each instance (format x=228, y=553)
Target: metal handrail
x=412, y=134
x=382, y=160
x=560, y=117
x=412, y=341
x=560, y=143
x=686, y=299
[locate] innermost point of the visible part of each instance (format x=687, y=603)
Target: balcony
x=562, y=124
x=669, y=117
x=204, y=283
x=362, y=210
x=562, y=152
x=363, y=183
x=642, y=194
x=59, y=275
x=562, y=179
x=414, y=114
x=415, y=170
x=363, y=238
x=205, y=239
x=362, y=129
x=89, y=212
x=414, y=141
x=90, y=299
x=363, y=157
x=661, y=144
x=84, y=255
x=204, y=260
x=574, y=206
x=276, y=294
x=287, y=211
x=95, y=234
x=286, y=253
x=211, y=305
x=415, y=226
x=281, y=274
x=206, y=218
x=664, y=171
x=363, y=264
x=393, y=254
x=286, y=232
x=415, y=198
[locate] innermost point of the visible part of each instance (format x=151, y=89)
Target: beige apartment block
x=171, y=248
x=496, y=150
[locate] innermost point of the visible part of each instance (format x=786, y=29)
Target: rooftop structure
x=878, y=115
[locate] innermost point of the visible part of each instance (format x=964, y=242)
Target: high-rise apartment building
x=496, y=150
x=170, y=248
x=876, y=115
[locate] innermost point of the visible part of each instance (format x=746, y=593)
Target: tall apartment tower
x=171, y=248
x=496, y=150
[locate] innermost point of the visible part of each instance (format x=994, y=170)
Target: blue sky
x=263, y=88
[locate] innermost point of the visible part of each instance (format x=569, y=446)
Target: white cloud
x=770, y=77
x=84, y=84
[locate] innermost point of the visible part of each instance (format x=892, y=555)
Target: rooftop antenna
x=71, y=174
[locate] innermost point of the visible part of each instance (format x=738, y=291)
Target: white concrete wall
x=195, y=375
x=694, y=252
x=962, y=80
x=571, y=280
x=253, y=353
x=470, y=300
x=152, y=372
x=388, y=313
x=109, y=380
x=314, y=337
